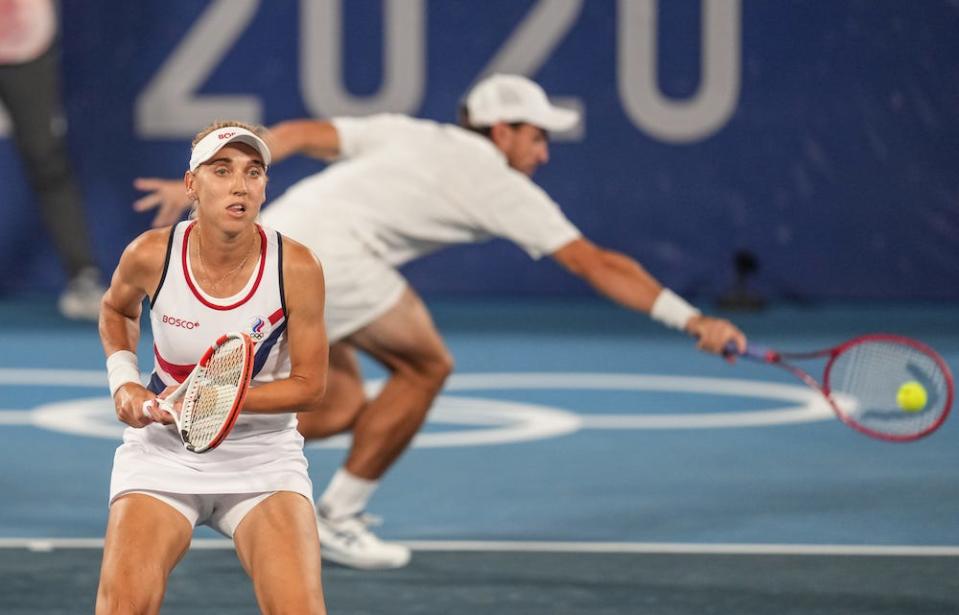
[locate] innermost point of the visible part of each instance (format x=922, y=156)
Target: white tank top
x=186, y=321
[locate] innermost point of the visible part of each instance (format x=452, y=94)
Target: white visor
x=512, y=98
x=219, y=138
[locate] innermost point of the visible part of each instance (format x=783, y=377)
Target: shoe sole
x=350, y=562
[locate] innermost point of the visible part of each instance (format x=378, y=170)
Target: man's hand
x=715, y=333
x=168, y=195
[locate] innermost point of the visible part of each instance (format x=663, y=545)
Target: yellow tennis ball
x=911, y=396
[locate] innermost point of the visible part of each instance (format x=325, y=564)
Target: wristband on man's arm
x=671, y=310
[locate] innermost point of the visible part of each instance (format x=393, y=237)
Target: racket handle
x=161, y=404
x=753, y=351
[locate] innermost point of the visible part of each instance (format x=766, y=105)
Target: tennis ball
x=911, y=396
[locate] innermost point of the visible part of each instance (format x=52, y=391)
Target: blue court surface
x=581, y=460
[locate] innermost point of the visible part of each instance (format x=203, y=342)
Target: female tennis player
x=216, y=273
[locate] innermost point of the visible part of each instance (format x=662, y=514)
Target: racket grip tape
x=753, y=351
x=160, y=404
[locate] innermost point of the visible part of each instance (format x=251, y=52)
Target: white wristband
x=121, y=369
x=670, y=309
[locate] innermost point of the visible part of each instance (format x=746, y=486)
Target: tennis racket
x=212, y=394
x=886, y=386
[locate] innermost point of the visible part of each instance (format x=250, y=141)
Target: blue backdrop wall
x=821, y=136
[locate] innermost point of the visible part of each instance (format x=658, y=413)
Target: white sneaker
x=349, y=542
x=81, y=299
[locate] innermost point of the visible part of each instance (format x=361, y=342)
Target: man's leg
x=406, y=342
x=31, y=94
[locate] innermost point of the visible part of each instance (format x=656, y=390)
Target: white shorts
x=220, y=511
x=360, y=285
x=359, y=289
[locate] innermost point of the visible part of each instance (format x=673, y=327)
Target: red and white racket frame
x=167, y=406
x=243, y=388
x=773, y=357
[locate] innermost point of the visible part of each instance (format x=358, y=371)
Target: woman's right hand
x=128, y=402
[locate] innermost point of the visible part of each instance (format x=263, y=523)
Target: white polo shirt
x=405, y=187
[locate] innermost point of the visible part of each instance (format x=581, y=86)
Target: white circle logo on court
x=478, y=420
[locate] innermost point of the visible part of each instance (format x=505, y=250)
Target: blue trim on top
x=259, y=359
x=156, y=385
x=166, y=266
x=279, y=261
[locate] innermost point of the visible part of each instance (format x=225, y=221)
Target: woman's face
x=230, y=188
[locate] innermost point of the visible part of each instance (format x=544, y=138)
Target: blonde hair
x=256, y=129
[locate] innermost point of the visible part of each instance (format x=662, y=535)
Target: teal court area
x=581, y=460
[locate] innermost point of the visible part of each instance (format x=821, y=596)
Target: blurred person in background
x=30, y=92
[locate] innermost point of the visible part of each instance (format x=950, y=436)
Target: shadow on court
x=64, y=581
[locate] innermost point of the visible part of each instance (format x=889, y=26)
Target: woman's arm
x=306, y=337
x=139, y=269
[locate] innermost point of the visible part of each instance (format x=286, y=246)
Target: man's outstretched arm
x=623, y=280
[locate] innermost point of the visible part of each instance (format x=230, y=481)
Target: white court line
x=50, y=544
x=488, y=421
x=54, y=377
x=753, y=418
x=16, y=417
x=684, y=548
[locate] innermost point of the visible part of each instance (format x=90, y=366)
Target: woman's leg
x=278, y=546
x=145, y=539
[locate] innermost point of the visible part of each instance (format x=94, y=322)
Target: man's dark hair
x=463, y=118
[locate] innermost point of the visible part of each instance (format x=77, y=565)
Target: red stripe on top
x=179, y=372
x=276, y=316
x=196, y=293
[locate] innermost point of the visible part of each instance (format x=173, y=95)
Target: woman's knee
x=122, y=593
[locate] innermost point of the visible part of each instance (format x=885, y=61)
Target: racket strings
x=868, y=377
x=208, y=406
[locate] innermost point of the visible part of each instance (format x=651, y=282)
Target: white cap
x=511, y=98
x=219, y=138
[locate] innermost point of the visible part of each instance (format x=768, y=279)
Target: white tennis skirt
x=153, y=458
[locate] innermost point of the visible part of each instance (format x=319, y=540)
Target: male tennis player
x=405, y=187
